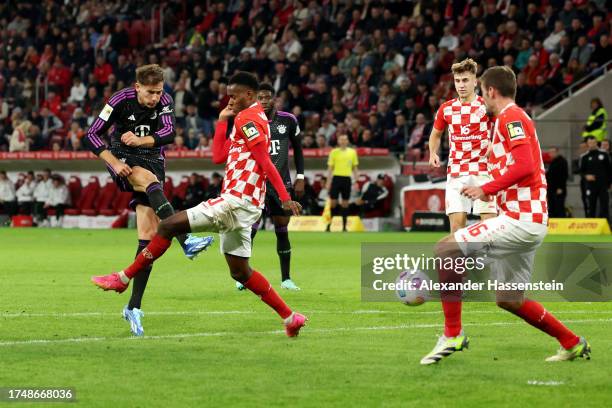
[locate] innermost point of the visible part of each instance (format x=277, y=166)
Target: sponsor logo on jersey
x=515, y=130
x=165, y=110
x=281, y=129
x=142, y=130
x=274, y=147
x=131, y=117
x=250, y=130
x=106, y=112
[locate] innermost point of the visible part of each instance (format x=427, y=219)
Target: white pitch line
x=549, y=383
x=240, y=312
x=274, y=332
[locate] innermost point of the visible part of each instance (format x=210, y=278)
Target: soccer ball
x=411, y=296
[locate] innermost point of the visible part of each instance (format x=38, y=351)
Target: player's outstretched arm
x=434, y=145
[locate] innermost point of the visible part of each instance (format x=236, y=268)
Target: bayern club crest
x=281, y=129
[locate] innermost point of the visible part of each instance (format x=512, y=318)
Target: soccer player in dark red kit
x=247, y=167
x=508, y=241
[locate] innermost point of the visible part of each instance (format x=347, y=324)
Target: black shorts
x=274, y=207
x=154, y=164
x=340, y=186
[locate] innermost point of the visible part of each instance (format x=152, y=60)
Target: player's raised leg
x=168, y=228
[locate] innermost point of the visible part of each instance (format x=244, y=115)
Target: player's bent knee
x=240, y=274
x=142, y=178
x=509, y=305
x=165, y=229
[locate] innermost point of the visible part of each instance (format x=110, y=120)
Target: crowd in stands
x=375, y=70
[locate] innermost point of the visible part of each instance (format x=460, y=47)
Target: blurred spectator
x=399, y=135
x=203, y=143
x=194, y=122
x=372, y=195
x=74, y=136
x=418, y=135
x=179, y=144
x=20, y=141
x=602, y=53
x=8, y=203
x=552, y=41
x=582, y=51
x=58, y=200
x=214, y=187
x=182, y=99
x=25, y=194
x=323, y=195
x=195, y=193
x=543, y=91
x=49, y=124
x=78, y=91
x=41, y=195
x=556, y=180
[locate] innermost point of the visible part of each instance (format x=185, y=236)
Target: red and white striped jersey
x=469, y=129
x=526, y=200
x=244, y=178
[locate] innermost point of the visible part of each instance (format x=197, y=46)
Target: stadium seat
x=86, y=204
x=122, y=201
x=104, y=203
x=74, y=187
x=181, y=190
x=362, y=180
x=169, y=188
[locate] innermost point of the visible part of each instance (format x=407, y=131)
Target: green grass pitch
x=208, y=345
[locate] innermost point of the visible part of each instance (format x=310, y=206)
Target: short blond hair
x=467, y=65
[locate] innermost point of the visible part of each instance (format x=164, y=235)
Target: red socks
x=259, y=285
x=452, y=318
x=535, y=314
x=148, y=255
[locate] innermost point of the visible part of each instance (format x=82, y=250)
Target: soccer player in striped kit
x=469, y=129
x=284, y=133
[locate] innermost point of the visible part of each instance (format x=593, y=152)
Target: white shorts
x=231, y=217
x=508, y=245
x=457, y=203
